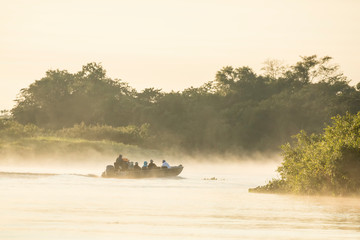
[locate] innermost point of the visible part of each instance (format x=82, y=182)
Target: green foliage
x=62, y=99
x=238, y=111
x=10, y=129
x=127, y=135
x=322, y=163
x=49, y=147
x=31, y=141
x=274, y=186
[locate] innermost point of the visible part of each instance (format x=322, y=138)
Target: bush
x=323, y=163
x=128, y=135
x=12, y=129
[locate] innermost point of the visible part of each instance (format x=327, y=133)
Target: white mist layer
x=67, y=206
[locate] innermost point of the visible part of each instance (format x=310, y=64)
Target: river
x=38, y=205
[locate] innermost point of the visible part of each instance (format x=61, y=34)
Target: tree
x=62, y=99
x=273, y=69
x=238, y=110
x=324, y=163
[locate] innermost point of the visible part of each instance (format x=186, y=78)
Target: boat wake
x=30, y=175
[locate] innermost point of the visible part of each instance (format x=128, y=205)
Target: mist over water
x=67, y=203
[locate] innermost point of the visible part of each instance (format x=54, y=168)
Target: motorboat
x=157, y=172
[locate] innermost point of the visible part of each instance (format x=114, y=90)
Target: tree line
x=238, y=111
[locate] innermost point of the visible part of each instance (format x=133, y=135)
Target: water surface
x=76, y=206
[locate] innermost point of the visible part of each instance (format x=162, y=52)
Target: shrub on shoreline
x=327, y=163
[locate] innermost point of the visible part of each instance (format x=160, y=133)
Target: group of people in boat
x=124, y=164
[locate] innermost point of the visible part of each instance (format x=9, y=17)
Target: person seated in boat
x=152, y=165
x=131, y=165
x=137, y=167
x=145, y=166
x=165, y=164
x=124, y=164
x=118, y=162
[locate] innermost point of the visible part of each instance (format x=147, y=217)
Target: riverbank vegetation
x=29, y=141
x=240, y=111
x=327, y=163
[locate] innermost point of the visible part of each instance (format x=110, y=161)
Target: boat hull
x=153, y=173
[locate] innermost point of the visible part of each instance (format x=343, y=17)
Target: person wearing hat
x=152, y=164
x=145, y=166
x=165, y=164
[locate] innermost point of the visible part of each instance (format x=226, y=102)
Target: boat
x=158, y=172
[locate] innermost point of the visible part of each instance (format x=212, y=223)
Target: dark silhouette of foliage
x=238, y=111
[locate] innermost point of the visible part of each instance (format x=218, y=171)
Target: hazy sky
x=169, y=44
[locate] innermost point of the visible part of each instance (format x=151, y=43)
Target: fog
x=92, y=162
x=71, y=205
